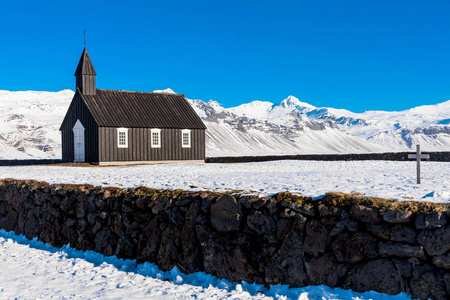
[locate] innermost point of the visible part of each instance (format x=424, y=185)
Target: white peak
x=254, y=109
x=293, y=102
x=287, y=106
x=439, y=108
x=166, y=91
x=214, y=103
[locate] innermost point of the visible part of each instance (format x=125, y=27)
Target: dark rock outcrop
x=375, y=275
x=436, y=241
x=226, y=214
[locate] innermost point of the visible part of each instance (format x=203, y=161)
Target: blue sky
x=353, y=54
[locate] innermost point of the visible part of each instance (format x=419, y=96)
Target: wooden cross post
x=418, y=156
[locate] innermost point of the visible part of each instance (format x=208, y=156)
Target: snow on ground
x=385, y=179
x=34, y=270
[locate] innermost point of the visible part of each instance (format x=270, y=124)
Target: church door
x=78, y=142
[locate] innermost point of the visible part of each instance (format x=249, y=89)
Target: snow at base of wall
x=32, y=269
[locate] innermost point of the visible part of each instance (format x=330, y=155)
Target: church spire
x=85, y=75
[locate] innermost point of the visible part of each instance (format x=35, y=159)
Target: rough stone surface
x=365, y=214
x=428, y=286
x=317, y=237
x=436, y=241
x=447, y=282
x=284, y=239
x=226, y=214
x=381, y=231
x=300, y=208
x=403, y=234
x=191, y=260
x=400, y=250
x=347, y=222
x=287, y=265
x=374, y=275
x=224, y=259
x=283, y=226
x=430, y=221
x=261, y=224
x=442, y=261
x=323, y=270
x=397, y=216
x=353, y=248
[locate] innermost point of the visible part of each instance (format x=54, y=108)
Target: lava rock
x=381, y=231
x=283, y=227
x=365, y=214
x=430, y=221
x=400, y=250
x=380, y=275
x=286, y=266
x=442, y=261
x=353, y=248
x=226, y=214
x=162, y=204
x=261, y=224
x=403, y=234
x=428, y=286
x=316, y=239
x=167, y=257
x=397, y=216
x=322, y=270
x=447, y=282
x=435, y=241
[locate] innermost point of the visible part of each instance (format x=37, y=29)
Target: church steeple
x=85, y=75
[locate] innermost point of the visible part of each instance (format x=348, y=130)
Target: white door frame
x=78, y=142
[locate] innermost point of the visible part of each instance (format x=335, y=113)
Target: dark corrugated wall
x=78, y=110
x=86, y=84
x=139, y=147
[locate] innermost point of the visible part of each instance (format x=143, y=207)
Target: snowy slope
x=29, y=127
x=34, y=270
x=29, y=123
x=426, y=125
x=307, y=129
x=262, y=128
x=384, y=179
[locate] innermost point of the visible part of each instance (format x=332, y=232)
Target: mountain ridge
x=30, y=122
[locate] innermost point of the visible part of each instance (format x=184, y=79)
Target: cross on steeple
x=84, y=37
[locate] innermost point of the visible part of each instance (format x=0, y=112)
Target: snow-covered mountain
x=426, y=125
x=262, y=128
x=29, y=127
x=292, y=126
x=29, y=123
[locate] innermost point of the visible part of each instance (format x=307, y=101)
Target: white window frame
x=119, y=131
x=158, y=132
x=188, y=132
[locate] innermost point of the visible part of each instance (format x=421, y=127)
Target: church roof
x=85, y=66
x=115, y=108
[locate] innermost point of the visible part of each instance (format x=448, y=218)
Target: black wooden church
x=120, y=127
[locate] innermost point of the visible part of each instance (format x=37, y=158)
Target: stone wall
x=393, y=156
x=342, y=240
x=27, y=162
